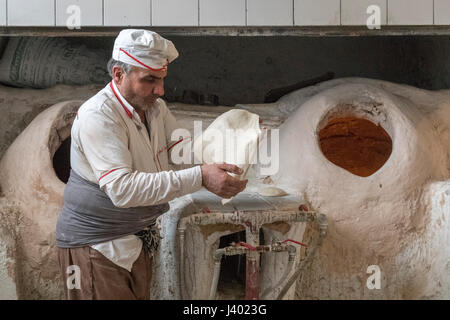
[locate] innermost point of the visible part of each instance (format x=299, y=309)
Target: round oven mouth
x=61, y=160
x=354, y=143
x=59, y=142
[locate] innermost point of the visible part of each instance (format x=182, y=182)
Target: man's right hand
x=216, y=179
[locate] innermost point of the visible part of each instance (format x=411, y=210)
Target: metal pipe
x=322, y=220
x=182, y=284
x=291, y=259
x=252, y=222
x=252, y=264
x=242, y=218
x=240, y=250
x=217, y=260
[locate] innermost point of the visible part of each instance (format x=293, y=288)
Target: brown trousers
x=101, y=279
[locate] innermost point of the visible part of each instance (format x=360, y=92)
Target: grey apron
x=89, y=216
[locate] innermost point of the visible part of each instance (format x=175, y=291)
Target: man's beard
x=143, y=104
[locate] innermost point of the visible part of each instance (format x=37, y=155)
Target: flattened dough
x=232, y=138
x=271, y=192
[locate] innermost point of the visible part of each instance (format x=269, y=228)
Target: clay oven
x=371, y=156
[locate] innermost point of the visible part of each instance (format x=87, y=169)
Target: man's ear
x=118, y=74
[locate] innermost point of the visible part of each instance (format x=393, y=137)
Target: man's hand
x=218, y=181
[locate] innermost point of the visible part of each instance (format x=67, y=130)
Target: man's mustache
x=153, y=97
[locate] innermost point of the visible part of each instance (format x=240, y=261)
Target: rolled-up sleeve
x=104, y=141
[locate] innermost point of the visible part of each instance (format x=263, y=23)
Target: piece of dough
x=271, y=192
x=268, y=180
x=231, y=138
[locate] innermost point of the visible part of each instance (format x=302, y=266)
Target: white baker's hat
x=144, y=49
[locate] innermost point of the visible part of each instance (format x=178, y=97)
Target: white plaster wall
x=8, y=289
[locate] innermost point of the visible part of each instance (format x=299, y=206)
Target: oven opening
x=61, y=160
x=355, y=144
x=232, y=271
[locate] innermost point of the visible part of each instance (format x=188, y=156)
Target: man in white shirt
x=121, y=179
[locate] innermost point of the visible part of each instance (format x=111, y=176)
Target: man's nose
x=159, y=88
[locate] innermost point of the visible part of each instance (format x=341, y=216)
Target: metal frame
x=252, y=221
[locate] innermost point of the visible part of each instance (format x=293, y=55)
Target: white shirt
x=112, y=148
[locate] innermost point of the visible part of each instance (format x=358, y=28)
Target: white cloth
x=144, y=49
x=123, y=251
x=111, y=147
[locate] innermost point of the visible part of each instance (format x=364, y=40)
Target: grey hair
x=124, y=66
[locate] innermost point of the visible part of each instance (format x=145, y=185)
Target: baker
x=120, y=179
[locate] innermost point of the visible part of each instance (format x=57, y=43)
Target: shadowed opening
x=61, y=161
x=232, y=271
x=59, y=139
x=231, y=283
x=355, y=144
